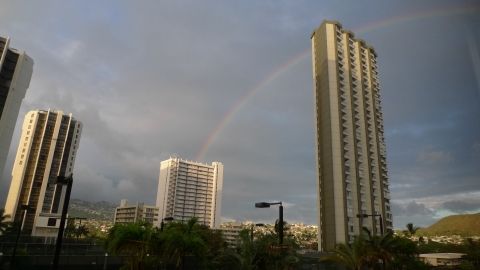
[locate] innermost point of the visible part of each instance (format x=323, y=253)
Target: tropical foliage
x=194, y=246
x=179, y=246
x=369, y=251
x=77, y=231
x=411, y=230
x=132, y=241
x=264, y=252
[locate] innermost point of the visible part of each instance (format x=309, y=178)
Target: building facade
x=47, y=149
x=351, y=153
x=138, y=212
x=188, y=189
x=231, y=232
x=15, y=73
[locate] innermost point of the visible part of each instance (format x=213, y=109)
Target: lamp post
x=24, y=209
x=280, y=217
x=373, y=215
x=162, y=224
x=62, y=180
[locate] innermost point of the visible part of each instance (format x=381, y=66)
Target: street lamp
x=162, y=224
x=373, y=215
x=62, y=180
x=280, y=217
x=24, y=208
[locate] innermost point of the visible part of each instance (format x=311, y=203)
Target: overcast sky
x=151, y=79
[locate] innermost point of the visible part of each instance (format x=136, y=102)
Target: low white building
x=138, y=212
x=231, y=232
x=442, y=259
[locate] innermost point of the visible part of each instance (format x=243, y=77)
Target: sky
x=231, y=81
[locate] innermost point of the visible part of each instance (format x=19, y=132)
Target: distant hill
x=465, y=225
x=101, y=211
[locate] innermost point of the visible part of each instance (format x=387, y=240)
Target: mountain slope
x=465, y=225
x=101, y=211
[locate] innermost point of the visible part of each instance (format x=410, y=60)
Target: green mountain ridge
x=464, y=225
x=100, y=211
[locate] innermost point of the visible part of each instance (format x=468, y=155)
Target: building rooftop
x=443, y=255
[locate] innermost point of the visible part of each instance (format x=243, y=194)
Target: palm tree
x=181, y=241
x=70, y=228
x=353, y=256
x=405, y=255
x=411, y=230
x=380, y=247
x=246, y=250
x=81, y=231
x=269, y=255
x=371, y=251
x=132, y=240
x=4, y=224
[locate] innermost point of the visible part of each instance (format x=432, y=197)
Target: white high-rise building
x=353, y=190
x=188, y=189
x=47, y=149
x=15, y=73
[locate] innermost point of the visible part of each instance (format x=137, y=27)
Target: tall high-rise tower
x=351, y=161
x=188, y=189
x=47, y=149
x=15, y=73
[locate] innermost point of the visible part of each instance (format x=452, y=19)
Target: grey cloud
x=412, y=212
x=411, y=209
x=434, y=157
x=463, y=206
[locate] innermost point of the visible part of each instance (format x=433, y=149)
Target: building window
x=52, y=222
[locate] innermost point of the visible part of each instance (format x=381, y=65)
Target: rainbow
x=278, y=71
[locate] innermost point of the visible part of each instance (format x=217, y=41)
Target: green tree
x=378, y=252
x=246, y=250
x=131, y=240
x=353, y=256
x=270, y=255
x=182, y=243
x=472, y=249
x=411, y=230
x=81, y=231
x=228, y=259
x=70, y=229
x=405, y=255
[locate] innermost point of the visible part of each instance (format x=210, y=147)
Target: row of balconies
x=194, y=195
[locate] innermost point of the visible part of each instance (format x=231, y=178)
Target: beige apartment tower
x=15, y=73
x=188, y=189
x=350, y=148
x=47, y=149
